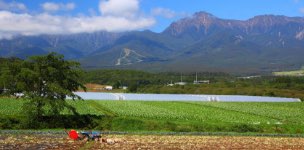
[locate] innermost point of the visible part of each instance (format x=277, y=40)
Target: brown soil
x=150, y=142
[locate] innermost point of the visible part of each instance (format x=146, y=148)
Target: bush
x=9, y=123
x=245, y=128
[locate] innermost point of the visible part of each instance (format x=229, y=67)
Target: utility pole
x=181, y=77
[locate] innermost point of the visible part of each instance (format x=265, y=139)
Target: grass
x=83, y=107
x=10, y=106
x=290, y=73
x=182, y=116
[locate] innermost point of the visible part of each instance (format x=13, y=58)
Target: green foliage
x=133, y=88
x=245, y=128
x=263, y=86
x=10, y=123
x=45, y=81
x=142, y=79
x=9, y=70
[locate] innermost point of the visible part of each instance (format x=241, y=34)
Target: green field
x=290, y=73
x=184, y=116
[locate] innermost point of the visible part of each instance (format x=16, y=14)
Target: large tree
x=47, y=81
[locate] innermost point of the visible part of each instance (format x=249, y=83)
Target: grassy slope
x=185, y=116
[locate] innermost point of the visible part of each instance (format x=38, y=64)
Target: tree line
x=220, y=83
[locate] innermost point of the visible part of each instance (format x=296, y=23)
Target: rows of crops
x=252, y=113
x=285, y=112
x=180, y=111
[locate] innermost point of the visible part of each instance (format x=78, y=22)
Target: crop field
x=179, y=111
x=283, y=112
x=235, y=112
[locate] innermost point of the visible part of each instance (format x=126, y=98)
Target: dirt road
x=150, y=142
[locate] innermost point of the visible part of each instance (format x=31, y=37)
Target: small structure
x=109, y=88
x=170, y=84
x=94, y=87
x=124, y=87
x=181, y=82
x=201, y=81
x=249, y=77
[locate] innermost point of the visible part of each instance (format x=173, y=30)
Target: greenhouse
x=181, y=97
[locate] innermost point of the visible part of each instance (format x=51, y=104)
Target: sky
x=36, y=17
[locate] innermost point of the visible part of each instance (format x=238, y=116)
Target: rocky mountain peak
x=270, y=20
x=203, y=14
x=199, y=21
x=203, y=23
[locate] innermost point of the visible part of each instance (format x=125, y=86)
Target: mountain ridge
x=203, y=41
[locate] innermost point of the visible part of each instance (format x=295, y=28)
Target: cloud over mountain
x=164, y=12
x=14, y=24
x=125, y=8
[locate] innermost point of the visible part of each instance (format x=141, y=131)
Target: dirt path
x=150, y=142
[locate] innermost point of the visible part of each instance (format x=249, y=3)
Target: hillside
x=202, y=42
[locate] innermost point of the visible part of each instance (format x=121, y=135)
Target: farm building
x=109, y=88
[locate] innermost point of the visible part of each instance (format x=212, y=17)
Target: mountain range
x=202, y=42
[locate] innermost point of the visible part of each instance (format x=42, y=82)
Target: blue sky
x=33, y=17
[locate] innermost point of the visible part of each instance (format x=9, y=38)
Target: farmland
x=182, y=116
x=290, y=73
x=25, y=141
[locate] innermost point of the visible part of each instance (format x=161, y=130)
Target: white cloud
x=126, y=8
x=12, y=24
x=50, y=6
x=164, y=12
x=12, y=6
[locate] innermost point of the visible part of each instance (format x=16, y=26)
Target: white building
x=202, y=82
x=109, y=88
x=180, y=83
